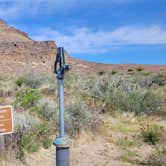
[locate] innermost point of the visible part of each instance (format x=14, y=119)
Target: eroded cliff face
x=21, y=55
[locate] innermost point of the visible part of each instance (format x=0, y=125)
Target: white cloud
x=84, y=40
x=16, y=8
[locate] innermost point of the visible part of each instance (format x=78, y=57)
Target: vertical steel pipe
x=62, y=143
x=62, y=156
x=61, y=108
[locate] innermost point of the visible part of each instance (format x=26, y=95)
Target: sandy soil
x=91, y=154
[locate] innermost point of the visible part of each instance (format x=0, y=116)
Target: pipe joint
x=62, y=142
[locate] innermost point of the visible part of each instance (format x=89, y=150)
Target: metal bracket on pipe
x=62, y=142
x=60, y=67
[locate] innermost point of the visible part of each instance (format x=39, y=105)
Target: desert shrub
x=20, y=153
x=19, y=81
x=104, y=88
x=27, y=97
x=46, y=109
x=29, y=81
x=28, y=142
x=43, y=130
x=46, y=112
x=25, y=121
x=43, y=135
x=101, y=73
x=2, y=100
x=129, y=157
x=71, y=81
x=130, y=70
x=158, y=158
x=31, y=140
x=1, y=93
x=47, y=142
x=24, y=124
x=34, y=110
x=25, y=141
x=7, y=88
x=78, y=118
x=139, y=101
x=151, y=133
x=99, y=90
x=158, y=79
x=139, y=68
x=49, y=91
x=113, y=72
x=124, y=142
x=125, y=95
x=5, y=93
x=3, y=155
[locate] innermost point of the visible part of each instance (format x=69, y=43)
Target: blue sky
x=108, y=31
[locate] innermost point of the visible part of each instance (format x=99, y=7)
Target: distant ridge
x=19, y=55
x=10, y=34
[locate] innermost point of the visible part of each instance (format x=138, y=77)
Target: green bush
x=43, y=133
x=32, y=139
x=29, y=81
x=27, y=97
x=19, y=81
x=42, y=130
x=47, y=142
x=28, y=142
x=25, y=141
x=151, y=133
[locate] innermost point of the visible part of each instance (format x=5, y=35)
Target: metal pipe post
x=61, y=108
x=62, y=143
x=62, y=156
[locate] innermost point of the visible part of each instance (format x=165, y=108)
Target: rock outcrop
x=19, y=54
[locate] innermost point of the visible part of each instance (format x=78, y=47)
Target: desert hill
x=9, y=34
x=19, y=54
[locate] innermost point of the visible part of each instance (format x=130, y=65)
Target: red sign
x=6, y=120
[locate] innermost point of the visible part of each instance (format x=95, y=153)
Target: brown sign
x=6, y=120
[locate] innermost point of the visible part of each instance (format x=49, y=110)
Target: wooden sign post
x=6, y=120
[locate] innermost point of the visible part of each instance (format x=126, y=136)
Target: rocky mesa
x=19, y=54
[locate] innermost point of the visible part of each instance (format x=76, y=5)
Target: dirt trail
x=92, y=154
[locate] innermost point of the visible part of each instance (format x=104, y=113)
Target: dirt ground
x=91, y=150
x=91, y=154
